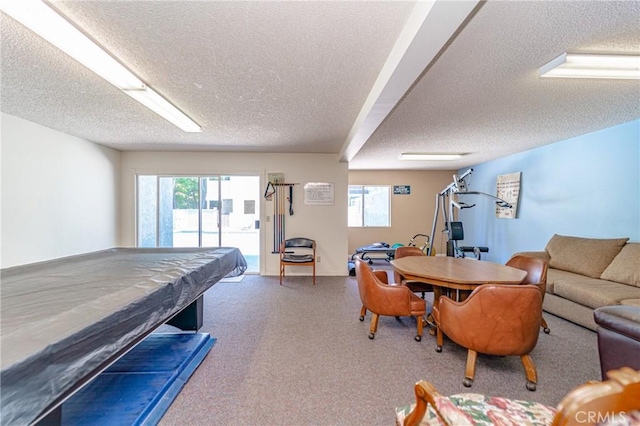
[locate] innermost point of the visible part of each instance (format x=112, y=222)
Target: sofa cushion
x=555, y=275
x=625, y=267
x=594, y=293
x=585, y=256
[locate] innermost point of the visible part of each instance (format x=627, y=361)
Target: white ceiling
x=365, y=80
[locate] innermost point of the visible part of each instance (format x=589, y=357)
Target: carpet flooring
x=298, y=355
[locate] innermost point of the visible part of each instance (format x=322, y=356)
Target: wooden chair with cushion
x=614, y=400
x=494, y=320
x=381, y=298
x=298, y=252
x=536, y=274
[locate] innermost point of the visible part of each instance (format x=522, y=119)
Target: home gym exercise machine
x=453, y=229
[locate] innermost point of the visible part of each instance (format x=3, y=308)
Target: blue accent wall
x=588, y=186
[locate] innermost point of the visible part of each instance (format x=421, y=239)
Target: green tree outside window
x=185, y=193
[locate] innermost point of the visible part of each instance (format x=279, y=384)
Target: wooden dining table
x=454, y=276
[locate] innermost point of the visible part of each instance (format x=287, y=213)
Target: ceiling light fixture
x=428, y=157
x=571, y=65
x=152, y=100
x=48, y=24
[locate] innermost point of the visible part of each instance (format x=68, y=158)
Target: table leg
x=190, y=318
x=430, y=322
x=463, y=294
x=437, y=292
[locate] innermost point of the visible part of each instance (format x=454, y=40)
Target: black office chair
x=298, y=252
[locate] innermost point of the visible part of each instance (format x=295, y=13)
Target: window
x=368, y=206
x=198, y=211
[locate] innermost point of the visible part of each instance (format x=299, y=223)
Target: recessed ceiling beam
x=430, y=26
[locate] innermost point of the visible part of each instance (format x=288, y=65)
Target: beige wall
x=326, y=224
x=410, y=214
x=59, y=194
x=75, y=196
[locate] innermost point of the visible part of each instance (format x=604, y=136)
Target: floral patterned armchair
x=614, y=401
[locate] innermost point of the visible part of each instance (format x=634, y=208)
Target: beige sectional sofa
x=587, y=273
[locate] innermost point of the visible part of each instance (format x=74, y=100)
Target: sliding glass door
x=178, y=201
x=210, y=213
x=200, y=211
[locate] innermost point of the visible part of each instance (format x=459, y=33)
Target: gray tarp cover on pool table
x=63, y=318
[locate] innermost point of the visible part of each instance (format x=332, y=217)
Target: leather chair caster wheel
x=438, y=348
x=371, y=336
x=531, y=386
x=467, y=382
x=361, y=318
x=418, y=338
x=546, y=330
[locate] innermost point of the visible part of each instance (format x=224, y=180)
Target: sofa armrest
x=539, y=254
x=618, y=337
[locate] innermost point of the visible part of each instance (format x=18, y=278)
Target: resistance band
x=277, y=192
x=291, y=200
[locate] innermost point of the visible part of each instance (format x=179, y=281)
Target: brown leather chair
x=414, y=286
x=494, y=320
x=386, y=299
x=536, y=274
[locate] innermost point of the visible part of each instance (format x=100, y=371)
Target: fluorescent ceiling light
x=161, y=106
x=428, y=157
x=42, y=20
x=48, y=24
x=570, y=65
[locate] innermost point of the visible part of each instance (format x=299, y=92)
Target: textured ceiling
x=293, y=76
x=257, y=76
x=483, y=96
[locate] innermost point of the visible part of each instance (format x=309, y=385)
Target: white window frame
x=364, y=209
